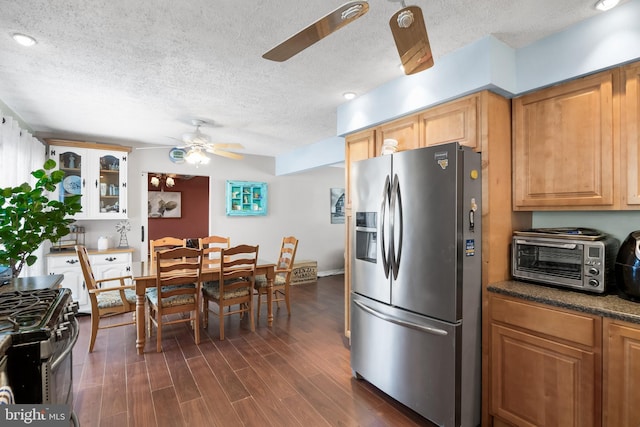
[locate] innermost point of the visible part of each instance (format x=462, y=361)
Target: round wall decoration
x=177, y=155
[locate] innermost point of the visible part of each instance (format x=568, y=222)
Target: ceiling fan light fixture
x=162, y=181
x=604, y=5
x=197, y=157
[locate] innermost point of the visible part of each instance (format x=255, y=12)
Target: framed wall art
x=165, y=204
x=337, y=205
x=245, y=198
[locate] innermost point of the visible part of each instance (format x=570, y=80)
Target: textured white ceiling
x=121, y=70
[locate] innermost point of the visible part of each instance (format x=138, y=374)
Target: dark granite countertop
x=610, y=305
x=50, y=281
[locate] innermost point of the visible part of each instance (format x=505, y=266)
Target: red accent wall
x=194, y=222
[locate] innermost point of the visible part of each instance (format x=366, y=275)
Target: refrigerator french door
x=416, y=280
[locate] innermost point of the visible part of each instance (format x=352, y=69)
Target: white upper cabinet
x=98, y=175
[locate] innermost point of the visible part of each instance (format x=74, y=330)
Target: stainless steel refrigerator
x=416, y=280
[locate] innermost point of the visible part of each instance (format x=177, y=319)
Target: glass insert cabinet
x=245, y=198
x=98, y=175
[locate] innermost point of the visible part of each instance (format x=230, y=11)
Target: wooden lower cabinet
x=621, y=400
x=545, y=365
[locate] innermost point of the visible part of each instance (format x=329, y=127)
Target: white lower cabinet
x=111, y=263
x=69, y=266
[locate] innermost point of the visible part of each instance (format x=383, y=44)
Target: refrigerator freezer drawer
x=412, y=358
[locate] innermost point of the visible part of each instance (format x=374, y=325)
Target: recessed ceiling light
x=23, y=39
x=606, y=4
x=349, y=95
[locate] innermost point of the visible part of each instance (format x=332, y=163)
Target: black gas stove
x=43, y=330
x=34, y=315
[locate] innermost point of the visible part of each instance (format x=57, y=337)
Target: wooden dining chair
x=108, y=300
x=177, y=290
x=211, y=247
x=164, y=243
x=282, y=280
x=234, y=285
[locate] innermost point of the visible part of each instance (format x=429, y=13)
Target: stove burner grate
x=25, y=309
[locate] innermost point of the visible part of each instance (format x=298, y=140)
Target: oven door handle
x=546, y=244
x=69, y=348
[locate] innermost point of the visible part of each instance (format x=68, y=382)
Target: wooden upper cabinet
x=630, y=136
x=564, y=147
x=454, y=121
x=406, y=131
x=358, y=146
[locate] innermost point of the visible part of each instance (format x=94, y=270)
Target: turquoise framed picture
x=246, y=198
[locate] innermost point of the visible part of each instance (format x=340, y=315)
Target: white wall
x=298, y=204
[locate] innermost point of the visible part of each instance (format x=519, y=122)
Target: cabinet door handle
x=96, y=183
x=71, y=261
x=110, y=259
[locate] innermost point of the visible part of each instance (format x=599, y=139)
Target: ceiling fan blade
x=411, y=39
x=315, y=32
x=228, y=154
x=228, y=146
x=153, y=148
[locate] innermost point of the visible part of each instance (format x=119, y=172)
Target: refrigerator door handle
x=407, y=324
x=396, y=207
x=386, y=257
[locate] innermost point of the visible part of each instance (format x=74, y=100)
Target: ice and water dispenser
x=366, y=236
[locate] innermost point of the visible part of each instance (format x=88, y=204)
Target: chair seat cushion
x=172, y=301
x=279, y=280
x=212, y=290
x=112, y=298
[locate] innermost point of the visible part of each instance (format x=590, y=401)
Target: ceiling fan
x=407, y=26
x=196, y=144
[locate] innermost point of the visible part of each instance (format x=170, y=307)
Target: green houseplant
x=29, y=217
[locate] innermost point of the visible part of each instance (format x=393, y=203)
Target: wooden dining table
x=145, y=277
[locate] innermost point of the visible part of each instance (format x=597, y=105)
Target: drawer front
x=59, y=262
x=574, y=327
x=109, y=258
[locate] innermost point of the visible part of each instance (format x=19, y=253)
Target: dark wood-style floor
x=296, y=373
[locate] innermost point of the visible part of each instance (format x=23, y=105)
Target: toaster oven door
x=548, y=261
